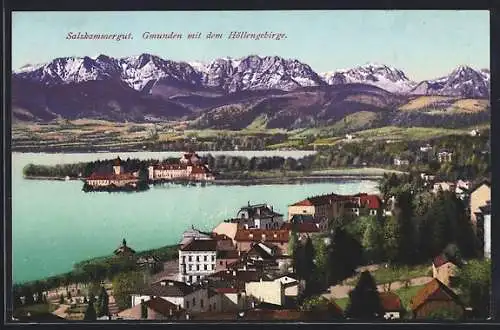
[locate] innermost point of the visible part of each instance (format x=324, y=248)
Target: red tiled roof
x=161, y=306
x=434, y=290
x=254, y=235
x=306, y=227
x=112, y=176
x=373, y=201
x=226, y=290
x=440, y=260
x=390, y=301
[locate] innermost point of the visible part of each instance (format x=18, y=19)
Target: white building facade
x=197, y=260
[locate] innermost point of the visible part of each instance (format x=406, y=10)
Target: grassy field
x=389, y=275
x=37, y=309
x=104, y=135
x=446, y=103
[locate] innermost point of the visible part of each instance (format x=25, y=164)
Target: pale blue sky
x=425, y=44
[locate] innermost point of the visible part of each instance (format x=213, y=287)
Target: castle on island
x=188, y=168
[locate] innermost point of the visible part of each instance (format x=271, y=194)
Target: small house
x=392, y=306
x=436, y=296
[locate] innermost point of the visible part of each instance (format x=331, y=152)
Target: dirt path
x=342, y=291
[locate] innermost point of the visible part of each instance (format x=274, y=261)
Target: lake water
x=55, y=224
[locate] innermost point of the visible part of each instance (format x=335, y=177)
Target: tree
x=123, y=286
x=90, y=313
x=345, y=254
x=309, y=267
x=474, y=282
x=392, y=233
x=364, y=300
x=103, y=303
x=293, y=243
x=373, y=240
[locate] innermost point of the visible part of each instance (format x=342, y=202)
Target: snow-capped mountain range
x=247, y=73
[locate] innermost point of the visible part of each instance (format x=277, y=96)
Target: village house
x=193, y=233
x=443, y=186
x=226, y=258
x=124, y=250
x=401, y=162
x=197, y=259
x=192, y=298
x=443, y=269
x=392, y=306
x=232, y=299
x=119, y=178
x=328, y=207
x=189, y=167
x=293, y=287
x=426, y=148
x=483, y=218
x=444, y=156
x=474, y=132
x=480, y=194
x=300, y=219
x=427, y=177
x=272, y=292
x=153, y=309
x=435, y=296
x=227, y=229
x=246, y=238
x=303, y=229
x=259, y=216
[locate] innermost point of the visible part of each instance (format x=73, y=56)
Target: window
x=197, y=258
x=213, y=258
x=190, y=258
x=183, y=259
x=190, y=267
x=194, y=302
x=205, y=267
x=220, y=262
x=197, y=267
x=201, y=303
x=204, y=258
x=187, y=304
x=213, y=266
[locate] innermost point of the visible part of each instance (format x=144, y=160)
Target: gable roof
x=259, y=211
x=434, y=290
x=479, y=184
x=305, y=227
x=166, y=288
x=440, y=260
x=257, y=235
x=161, y=306
x=200, y=245
x=390, y=302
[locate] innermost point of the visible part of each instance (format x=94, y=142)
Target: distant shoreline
x=249, y=181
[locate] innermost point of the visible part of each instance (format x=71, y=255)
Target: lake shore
x=231, y=180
